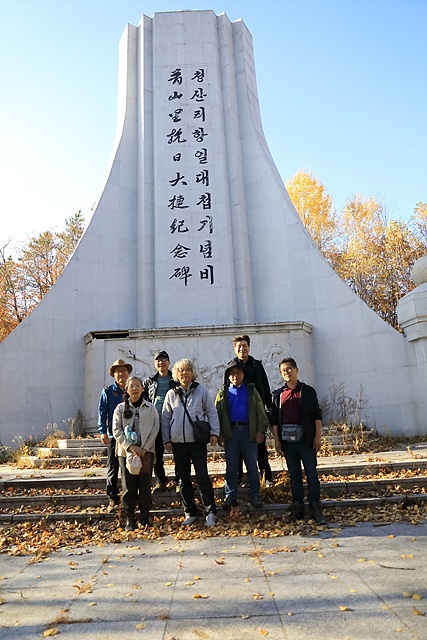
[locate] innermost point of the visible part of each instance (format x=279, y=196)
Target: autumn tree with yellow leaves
x=372, y=253
x=28, y=272
x=315, y=209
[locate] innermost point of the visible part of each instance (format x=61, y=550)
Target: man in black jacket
x=254, y=374
x=155, y=390
x=297, y=427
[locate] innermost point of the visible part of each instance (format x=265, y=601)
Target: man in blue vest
x=111, y=396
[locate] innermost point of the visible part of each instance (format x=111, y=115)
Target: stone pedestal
x=210, y=348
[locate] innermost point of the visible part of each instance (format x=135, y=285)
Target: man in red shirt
x=296, y=409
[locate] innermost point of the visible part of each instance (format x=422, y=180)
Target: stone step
x=80, y=449
x=328, y=489
x=76, y=443
x=327, y=465
x=78, y=516
x=71, y=452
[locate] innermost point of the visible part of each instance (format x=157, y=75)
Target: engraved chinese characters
x=190, y=195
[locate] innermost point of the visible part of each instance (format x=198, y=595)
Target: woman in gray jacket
x=135, y=427
x=186, y=402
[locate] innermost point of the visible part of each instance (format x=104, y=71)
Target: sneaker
x=210, y=520
x=113, y=504
x=257, y=502
x=160, y=487
x=269, y=484
x=189, y=520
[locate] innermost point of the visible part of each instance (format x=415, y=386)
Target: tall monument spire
x=194, y=236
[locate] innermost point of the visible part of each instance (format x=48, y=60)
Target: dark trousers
x=184, y=454
x=159, y=467
x=136, y=490
x=295, y=453
x=112, y=470
x=263, y=463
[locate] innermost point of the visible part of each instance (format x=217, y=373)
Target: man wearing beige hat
x=111, y=396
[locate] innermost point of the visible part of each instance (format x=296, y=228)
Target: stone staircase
x=62, y=493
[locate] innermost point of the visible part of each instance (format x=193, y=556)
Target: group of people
x=139, y=419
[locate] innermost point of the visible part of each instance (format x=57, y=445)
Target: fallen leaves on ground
x=39, y=538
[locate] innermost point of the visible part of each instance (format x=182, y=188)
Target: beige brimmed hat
x=120, y=363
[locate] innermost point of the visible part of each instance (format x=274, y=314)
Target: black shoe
x=230, y=504
x=257, y=502
x=146, y=521
x=317, y=514
x=130, y=524
x=297, y=512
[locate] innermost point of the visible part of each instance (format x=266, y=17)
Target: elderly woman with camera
x=189, y=423
x=135, y=428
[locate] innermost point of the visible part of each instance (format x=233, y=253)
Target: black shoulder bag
x=201, y=428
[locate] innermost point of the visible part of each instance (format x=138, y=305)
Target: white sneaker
x=210, y=520
x=189, y=520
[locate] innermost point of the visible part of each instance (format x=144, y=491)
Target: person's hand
x=137, y=451
x=317, y=444
x=104, y=438
x=221, y=441
x=259, y=437
x=214, y=441
x=168, y=447
x=278, y=446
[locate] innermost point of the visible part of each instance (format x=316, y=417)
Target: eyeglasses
x=184, y=370
x=287, y=369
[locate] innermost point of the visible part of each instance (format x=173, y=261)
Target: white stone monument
x=194, y=239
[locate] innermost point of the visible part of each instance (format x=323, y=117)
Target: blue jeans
x=236, y=446
x=295, y=453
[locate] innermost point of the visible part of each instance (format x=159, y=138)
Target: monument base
x=210, y=348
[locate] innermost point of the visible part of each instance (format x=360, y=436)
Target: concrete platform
x=357, y=583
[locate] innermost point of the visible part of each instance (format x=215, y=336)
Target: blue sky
x=342, y=87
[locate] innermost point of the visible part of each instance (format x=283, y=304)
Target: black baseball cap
x=161, y=354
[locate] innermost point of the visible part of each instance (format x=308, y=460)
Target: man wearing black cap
x=111, y=396
x=155, y=390
x=243, y=423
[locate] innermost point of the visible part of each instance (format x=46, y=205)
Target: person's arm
x=274, y=420
x=103, y=416
x=262, y=422
x=219, y=405
x=153, y=417
x=277, y=443
x=166, y=422
x=118, y=428
x=317, y=416
x=317, y=442
x=212, y=416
